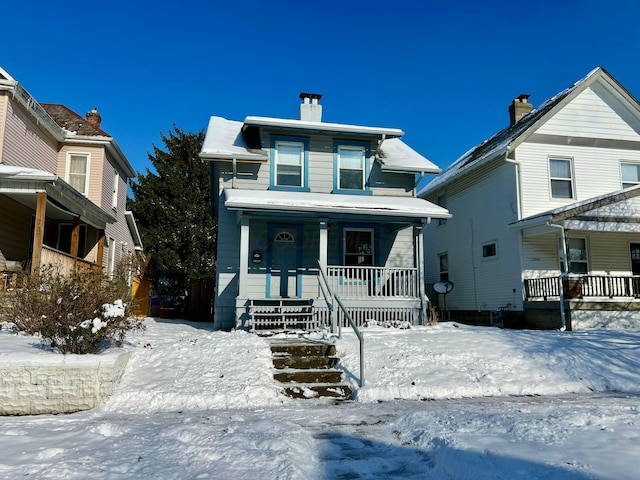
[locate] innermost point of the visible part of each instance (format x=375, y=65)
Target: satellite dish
x=443, y=287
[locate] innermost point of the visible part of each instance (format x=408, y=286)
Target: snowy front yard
x=200, y=404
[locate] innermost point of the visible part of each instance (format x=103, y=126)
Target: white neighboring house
x=309, y=210
x=545, y=230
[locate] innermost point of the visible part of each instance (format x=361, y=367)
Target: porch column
x=75, y=238
x=324, y=242
x=244, y=257
x=38, y=231
x=419, y=239
x=100, y=252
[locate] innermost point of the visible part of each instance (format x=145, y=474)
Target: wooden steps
x=306, y=369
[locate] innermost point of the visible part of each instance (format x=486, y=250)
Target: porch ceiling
x=409, y=208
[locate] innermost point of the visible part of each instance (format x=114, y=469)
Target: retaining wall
x=64, y=385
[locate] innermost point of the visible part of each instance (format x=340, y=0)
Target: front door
x=635, y=258
x=285, y=257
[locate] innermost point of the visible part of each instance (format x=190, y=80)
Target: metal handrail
x=346, y=314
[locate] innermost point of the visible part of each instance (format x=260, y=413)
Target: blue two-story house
x=309, y=211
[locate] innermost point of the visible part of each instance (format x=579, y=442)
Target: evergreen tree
x=173, y=211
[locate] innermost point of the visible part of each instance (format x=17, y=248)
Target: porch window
x=561, y=178
x=577, y=255
x=630, y=174
x=443, y=260
x=351, y=165
x=358, y=247
x=78, y=171
x=289, y=164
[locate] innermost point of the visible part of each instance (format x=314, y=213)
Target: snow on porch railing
x=354, y=282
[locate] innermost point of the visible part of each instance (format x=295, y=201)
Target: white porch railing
x=357, y=282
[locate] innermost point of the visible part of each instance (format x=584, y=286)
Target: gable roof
x=509, y=138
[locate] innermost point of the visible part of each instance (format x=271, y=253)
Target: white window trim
x=344, y=242
x=622, y=182
x=88, y=169
x=277, y=163
x=111, y=257
x=490, y=257
x=116, y=181
x=569, y=261
x=440, y=271
x=571, y=180
x=362, y=168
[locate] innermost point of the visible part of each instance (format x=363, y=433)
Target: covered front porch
x=45, y=222
x=582, y=261
x=302, y=254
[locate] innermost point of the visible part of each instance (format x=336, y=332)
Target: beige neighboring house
x=63, y=187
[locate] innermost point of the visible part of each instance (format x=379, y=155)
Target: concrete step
x=302, y=390
x=308, y=376
x=302, y=349
x=281, y=361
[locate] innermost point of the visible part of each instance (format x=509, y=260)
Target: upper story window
x=442, y=201
x=116, y=180
x=289, y=166
x=630, y=174
x=560, y=175
x=351, y=166
x=78, y=171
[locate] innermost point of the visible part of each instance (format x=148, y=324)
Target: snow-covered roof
x=507, y=139
x=10, y=172
x=327, y=203
x=395, y=155
x=321, y=126
x=224, y=140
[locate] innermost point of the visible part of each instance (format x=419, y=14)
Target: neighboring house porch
x=597, y=271
x=46, y=222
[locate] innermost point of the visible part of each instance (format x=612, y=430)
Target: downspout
x=235, y=172
x=564, y=274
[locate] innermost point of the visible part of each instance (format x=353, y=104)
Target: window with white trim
x=289, y=164
x=577, y=256
x=116, y=180
x=560, y=176
x=490, y=250
x=351, y=167
x=358, y=246
x=443, y=262
x=111, y=257
x=630, y=174
x=78, y=171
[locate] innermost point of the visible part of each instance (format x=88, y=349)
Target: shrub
x=81, y=312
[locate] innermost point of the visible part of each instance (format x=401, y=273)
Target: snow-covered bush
x=82, y=312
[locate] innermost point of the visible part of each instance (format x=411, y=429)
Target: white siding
x=596, y=171
x=594, y=113
x=480, y=215
x=540, y=256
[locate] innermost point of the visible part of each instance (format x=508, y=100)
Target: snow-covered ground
x=442, y=402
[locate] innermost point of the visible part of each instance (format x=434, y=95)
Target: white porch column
x=324, y=242
x=243, y=273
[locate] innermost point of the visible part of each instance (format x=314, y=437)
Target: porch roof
x=327, y=203
x=21, y=184
x=595, y=214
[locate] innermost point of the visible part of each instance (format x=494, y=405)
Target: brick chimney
x=519, y=108
x=94, y=118
x=310, y=109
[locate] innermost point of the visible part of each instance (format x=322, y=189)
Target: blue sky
x=443, y=71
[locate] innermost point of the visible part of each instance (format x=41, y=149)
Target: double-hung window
x=630, y=174
x=443, y=265
x=561, y=178
x=351, y=168
x=289, y=164
x=78, y=171
x=577, y=256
